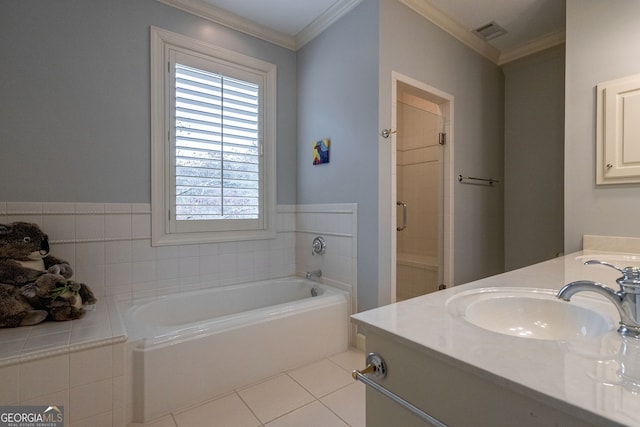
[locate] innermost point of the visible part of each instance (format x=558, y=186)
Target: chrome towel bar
x=489, y=181
x=377, y=367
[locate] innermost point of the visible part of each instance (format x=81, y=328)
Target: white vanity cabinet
x=457, y=395
x=466, y=375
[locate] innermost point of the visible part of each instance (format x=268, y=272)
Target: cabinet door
x=457, y=394
x=618, y=131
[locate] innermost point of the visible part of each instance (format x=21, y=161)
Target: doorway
x=421, y=189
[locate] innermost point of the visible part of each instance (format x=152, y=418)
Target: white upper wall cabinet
x=618, y=131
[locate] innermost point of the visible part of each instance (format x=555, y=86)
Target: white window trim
x=161, y=234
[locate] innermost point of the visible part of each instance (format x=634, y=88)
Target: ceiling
x=531, y=25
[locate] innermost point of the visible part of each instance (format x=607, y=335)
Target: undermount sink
x=533, y=313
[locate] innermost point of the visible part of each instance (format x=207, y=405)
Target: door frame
x=387, y=191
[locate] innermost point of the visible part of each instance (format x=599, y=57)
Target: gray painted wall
x=602, y=44
x=75, y=85
x=534, y=158
x=415, y=47
x=338, y=99
x=74, y=116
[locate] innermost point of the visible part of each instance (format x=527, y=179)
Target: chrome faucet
x=315, y=273
x=625, y=300
x=315, y=290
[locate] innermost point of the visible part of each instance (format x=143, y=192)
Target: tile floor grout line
x=334, y=413
x=291, y=411
x=318, y=399
x=249, y=407
x=329, y=408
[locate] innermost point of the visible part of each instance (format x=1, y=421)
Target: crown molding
x=228, y=19
x=423, y=7
x=324, y=21
x=439, y=18
x=233, y=21
x=541, y=43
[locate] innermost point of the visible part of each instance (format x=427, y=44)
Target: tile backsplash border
x=611, y=244
x=109, y=247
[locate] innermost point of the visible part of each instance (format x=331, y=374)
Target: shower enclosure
x=420, y=173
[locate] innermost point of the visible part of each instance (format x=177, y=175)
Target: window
x=213, y=143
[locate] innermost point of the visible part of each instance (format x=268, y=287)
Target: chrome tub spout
x=315, y=273
x=315, y=291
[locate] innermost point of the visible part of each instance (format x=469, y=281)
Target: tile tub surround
x=338, y=224
x=78, y=364
x=580, y=376
x=109, y=247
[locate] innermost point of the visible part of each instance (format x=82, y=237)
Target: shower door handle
x=404, y=215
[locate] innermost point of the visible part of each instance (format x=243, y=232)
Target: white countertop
x=583, y=373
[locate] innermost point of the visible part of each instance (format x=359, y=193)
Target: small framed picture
x=321, y=151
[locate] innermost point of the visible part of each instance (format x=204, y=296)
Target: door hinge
x=442, y=138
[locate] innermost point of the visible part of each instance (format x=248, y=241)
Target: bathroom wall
x=338, y=99
x=534, y=158
x=415, y=47
x=76, y=73
x=602, y=44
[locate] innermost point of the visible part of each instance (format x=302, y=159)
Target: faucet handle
x=319, y=246
x=630, y=275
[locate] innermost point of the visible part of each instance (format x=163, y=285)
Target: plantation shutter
x=217, y=169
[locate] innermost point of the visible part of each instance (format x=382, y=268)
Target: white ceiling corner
x=322, y=22
x=429, y=11
x=459, y=22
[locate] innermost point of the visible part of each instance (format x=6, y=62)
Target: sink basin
x=533, y=313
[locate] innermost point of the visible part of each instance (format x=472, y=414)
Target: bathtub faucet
x=626, y=300
x=315, y=273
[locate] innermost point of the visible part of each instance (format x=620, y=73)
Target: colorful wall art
x=321, y=151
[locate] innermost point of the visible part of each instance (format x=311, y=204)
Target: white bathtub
x=190, y=347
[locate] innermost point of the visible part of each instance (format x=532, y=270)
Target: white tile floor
x=321, y=394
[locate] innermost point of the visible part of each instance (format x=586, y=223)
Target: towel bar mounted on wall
x=377, y=368
x=472, y=180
